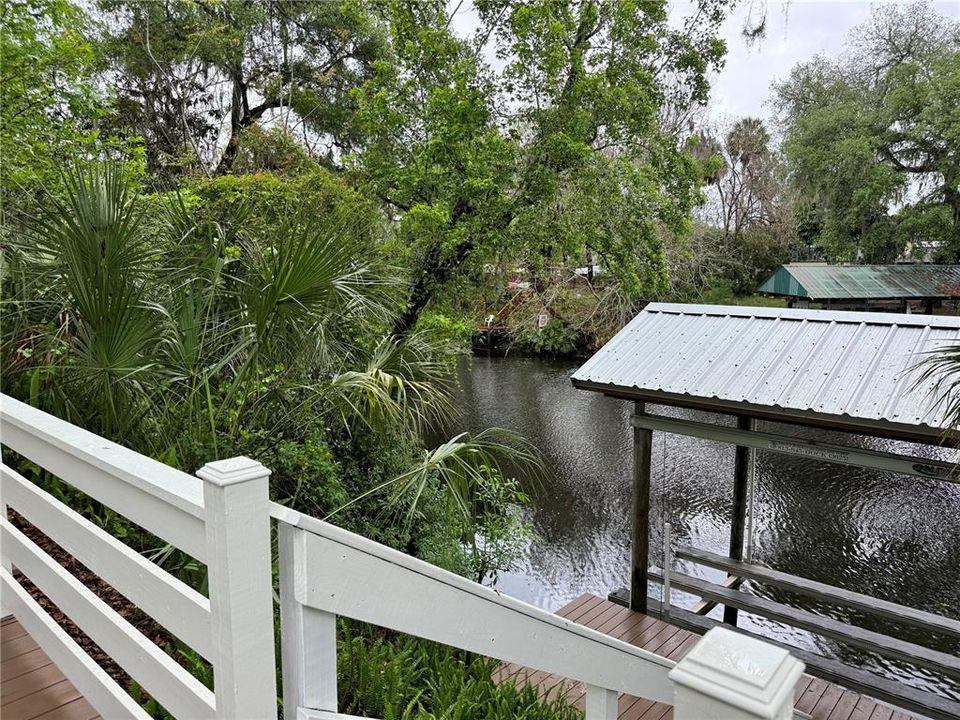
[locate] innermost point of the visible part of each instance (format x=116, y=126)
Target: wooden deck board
x=863, y=709
x=820, y=699
x=31, y=685
x=881, y=712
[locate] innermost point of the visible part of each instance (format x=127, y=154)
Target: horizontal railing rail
x=184, y=611
x=821, y=625
x=172, y=686
x=101, y=690
x=219, y=518
x=157, y=497
x=327, y=571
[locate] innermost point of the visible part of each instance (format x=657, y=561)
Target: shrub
x=400, y=677
x=262, y=201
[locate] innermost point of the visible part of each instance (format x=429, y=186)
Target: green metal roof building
x=838, y=284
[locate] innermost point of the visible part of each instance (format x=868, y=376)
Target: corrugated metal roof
x=856, y=368
x=864, y=282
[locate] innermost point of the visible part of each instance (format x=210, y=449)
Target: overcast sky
x=796, y=31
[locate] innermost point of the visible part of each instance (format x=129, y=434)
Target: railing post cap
x=232, y=470
x=747, y=673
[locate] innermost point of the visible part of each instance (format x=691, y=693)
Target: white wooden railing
x=219, y=518
x=222, y=518
x=327, y=571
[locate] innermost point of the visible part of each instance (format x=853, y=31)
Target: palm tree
x=942, y=368
x=87, y=264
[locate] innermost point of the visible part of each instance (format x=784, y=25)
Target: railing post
x=4, y=563
x=235, y=496
x=601, y=703
x=736, y=677
x=308, y=637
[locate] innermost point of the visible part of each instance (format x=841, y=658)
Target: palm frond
x=940, y=370
x=312, y=274
x=91, y=247
x=403, y=381
x=463, y=466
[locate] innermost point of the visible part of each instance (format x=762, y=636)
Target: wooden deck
x=31, y=686
x=817, y=698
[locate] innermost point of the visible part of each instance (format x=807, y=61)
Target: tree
x=193, y=76
x=745, y=229
x=746, y=184
x=482, y=164
x=51, y=110
x=872, y=140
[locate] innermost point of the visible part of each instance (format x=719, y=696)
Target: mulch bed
x=152, y=630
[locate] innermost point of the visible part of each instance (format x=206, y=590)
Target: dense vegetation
x=269, y=228
x=873, y=140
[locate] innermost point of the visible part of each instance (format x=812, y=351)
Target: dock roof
x=817, y=281
x=853, y=371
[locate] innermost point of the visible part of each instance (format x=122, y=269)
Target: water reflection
x=887, y=535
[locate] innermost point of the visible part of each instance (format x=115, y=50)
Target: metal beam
x=806, y=418
x=825, y=452
x=824, y=593
x=642, y=448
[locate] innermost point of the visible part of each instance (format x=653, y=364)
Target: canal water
x=889, y=536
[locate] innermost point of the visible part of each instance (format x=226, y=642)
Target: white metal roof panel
x=843, y=365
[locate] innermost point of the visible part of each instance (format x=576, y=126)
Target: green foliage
x=271, y=150
x=498, y=531
x=396, y=678
x=193, y=337
x=304, y=473
x=260, y=201
x=872, y=140
x=190, y=335
x=554, y=338
x=369, y=457
x=280, y=59
x=227, y=331
x=88, y=259
x=459, y=505
x=943, y=366
x=51, y=108
x=562, y=153
x=747, y=226
x=453, y=331
x=399, y=375
x=465, y=467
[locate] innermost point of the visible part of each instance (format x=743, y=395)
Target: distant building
x=904, y=288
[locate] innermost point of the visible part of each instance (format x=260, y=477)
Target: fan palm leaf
x=941, y=369
x=312, y=274
x=92, y=255
x=404, y=381
x=463, y=466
